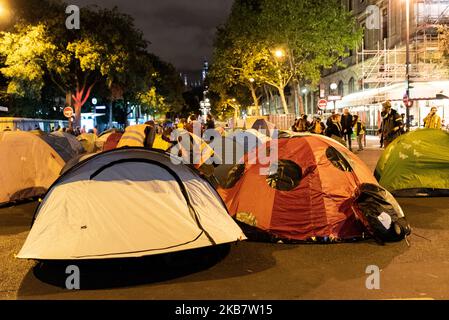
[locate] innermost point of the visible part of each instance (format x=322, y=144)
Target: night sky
x=180, y=31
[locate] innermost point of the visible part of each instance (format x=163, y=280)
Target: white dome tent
x=128, y=203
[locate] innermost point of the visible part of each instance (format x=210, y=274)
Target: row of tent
x=316, y=191
x=134, y=202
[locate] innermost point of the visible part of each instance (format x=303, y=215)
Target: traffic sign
x=334, y=98
x=4, y=109
x=322, y=104
x=68, y=112
x=407, y=102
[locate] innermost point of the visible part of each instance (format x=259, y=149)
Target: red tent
x=315, y=191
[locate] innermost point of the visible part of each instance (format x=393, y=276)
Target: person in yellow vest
x=142, y=135
x=161, y=142
x=433, y=120
x=360, y=131
x=318, y=127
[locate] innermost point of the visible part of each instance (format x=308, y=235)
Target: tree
x=74, y=61
x=234, y=60
x=276, y=42
x=108, y=56
x=314, y=34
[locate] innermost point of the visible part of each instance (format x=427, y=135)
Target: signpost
x=322, y=104
x=68, y=113
x=3, y=109
x=407, y=102
x=334, y=99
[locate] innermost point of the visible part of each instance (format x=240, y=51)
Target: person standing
x=303, y=124
x=433, y=120
x=392, y=124
x=334, y=128
x=210, y=123
x=360, y=131
x=318, y=127
x=295, y=126
x=347, y=125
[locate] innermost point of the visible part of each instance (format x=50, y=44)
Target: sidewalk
x=372, y=152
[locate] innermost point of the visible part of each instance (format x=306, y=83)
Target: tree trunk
x=297, y=96
x=79, y=99
x=300, y=100
x=283, y=100
x=255, y=99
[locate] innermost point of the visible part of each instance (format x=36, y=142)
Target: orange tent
x=28, y=166
x=314, y=190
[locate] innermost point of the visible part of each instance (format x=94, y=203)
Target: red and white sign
x=407, y=102
x=334, y=98
x=322, y=104
x=68, y=112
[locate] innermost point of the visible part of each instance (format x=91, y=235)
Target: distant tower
x=205, y=70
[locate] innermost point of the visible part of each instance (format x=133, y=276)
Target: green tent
x=416, y=164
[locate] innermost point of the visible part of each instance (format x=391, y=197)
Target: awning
x=395, y=92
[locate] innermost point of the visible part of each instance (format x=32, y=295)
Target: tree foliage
x=107, y=52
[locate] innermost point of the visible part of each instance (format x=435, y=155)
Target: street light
x=279, y=53
x=334, y=87
x=4, y=12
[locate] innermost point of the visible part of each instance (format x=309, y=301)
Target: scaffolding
x=385, y=66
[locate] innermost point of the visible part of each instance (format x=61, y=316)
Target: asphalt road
x=250, y=270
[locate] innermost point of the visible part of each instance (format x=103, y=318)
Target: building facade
x=376, y=71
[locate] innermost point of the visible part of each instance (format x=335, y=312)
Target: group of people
x=77, y=131
x=393, y=124
x=339, y=127
x=342, y=127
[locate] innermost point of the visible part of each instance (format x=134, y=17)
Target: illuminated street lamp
x=205, y=108
x=334, y=88
x=4, y=12
x=279, y=53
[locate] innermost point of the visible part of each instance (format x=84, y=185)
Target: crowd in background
x=340, y=127
x=343, y=127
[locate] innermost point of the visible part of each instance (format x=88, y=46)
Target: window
x=285, y=175
x=350, y=6
x=351, y=85
x=384, y=24
x=338, y=160
x=341, y=88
